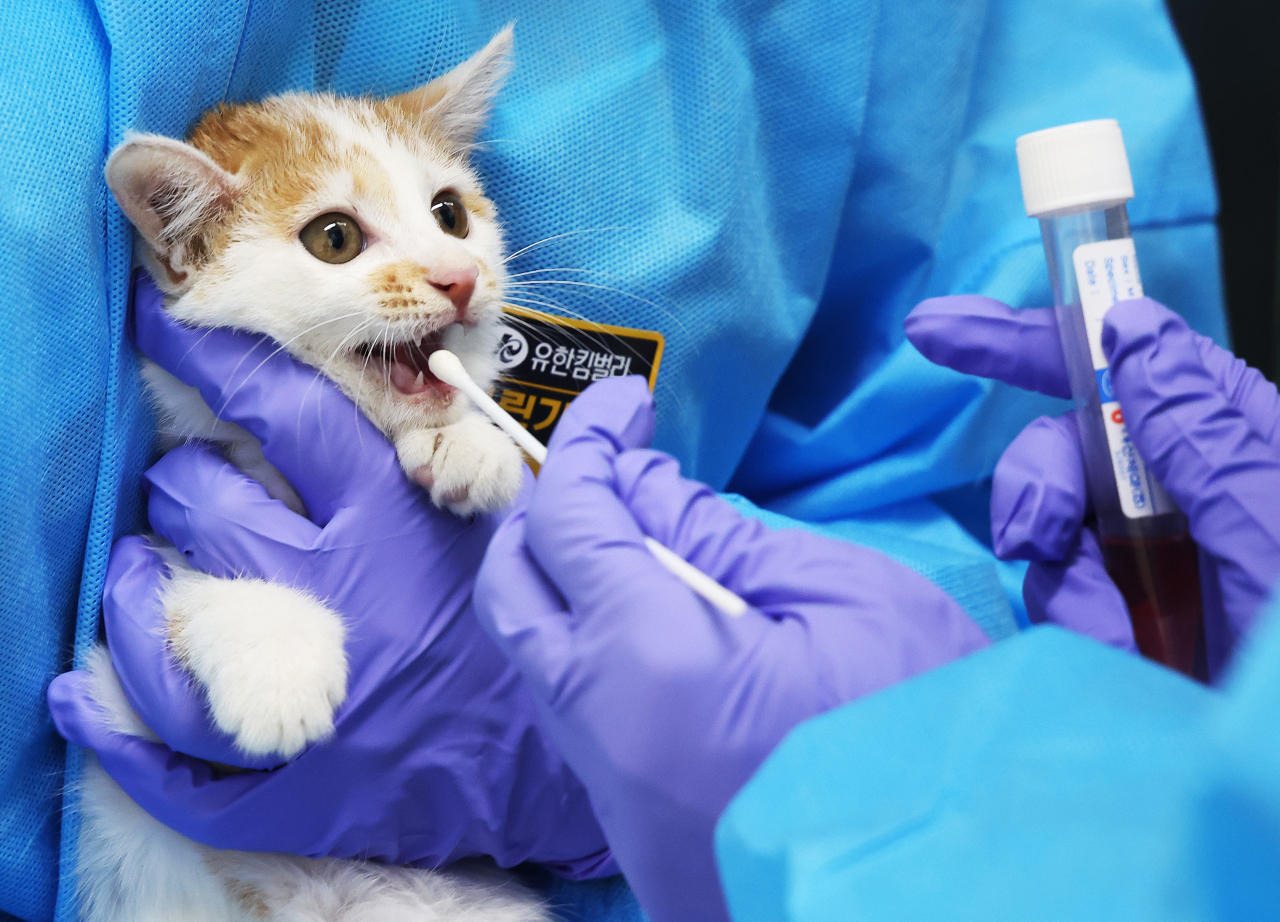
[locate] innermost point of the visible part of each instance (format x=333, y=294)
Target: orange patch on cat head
x=281, y=149
x=287, y=151
x=396, y=285
x=477, y=204
x=398, y=277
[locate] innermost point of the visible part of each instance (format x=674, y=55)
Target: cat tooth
x=421, y=379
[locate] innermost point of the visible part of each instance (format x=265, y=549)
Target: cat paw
x=271, y=659
x=468, y=466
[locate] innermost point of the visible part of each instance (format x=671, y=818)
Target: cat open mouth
x=404, y=365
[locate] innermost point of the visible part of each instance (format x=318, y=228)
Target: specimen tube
x=1076, y=180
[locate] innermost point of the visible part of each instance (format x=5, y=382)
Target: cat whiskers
x=280, y=347
x=337, y=350
x=533, y=283
x=579, y=337
x=542, y=300
x=546, y=240
x=524, y=281
x=528, y=293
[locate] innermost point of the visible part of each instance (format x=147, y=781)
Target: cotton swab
x=724, y=599
x=446, y=366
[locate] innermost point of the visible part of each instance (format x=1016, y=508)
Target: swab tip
x=448, y=368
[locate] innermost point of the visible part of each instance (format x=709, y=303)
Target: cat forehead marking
x=297, y=151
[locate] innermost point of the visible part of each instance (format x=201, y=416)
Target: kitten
x=355, y=234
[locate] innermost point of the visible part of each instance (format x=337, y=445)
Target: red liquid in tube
x=1159, y=579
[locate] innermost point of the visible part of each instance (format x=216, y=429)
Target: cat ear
x=457, y=104
x=172, y=193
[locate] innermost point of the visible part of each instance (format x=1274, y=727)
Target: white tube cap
x=1073, y=166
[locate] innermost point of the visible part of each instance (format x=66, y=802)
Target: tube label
x=1107, y=272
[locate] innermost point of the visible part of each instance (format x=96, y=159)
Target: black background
x=1234, y=47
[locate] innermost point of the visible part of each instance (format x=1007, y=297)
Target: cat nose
x=455, y=284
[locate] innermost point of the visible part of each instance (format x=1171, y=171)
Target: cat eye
x=449, y=214
x=333, y=238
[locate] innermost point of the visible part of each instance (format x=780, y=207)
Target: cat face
x=352, y=231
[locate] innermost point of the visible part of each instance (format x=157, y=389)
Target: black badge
x=545, y=361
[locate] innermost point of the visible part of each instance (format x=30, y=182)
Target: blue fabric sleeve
x=1047, y=778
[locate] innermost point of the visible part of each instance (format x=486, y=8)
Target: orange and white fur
x=354, y=233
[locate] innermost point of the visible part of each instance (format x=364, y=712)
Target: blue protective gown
x=772, y=187
x=1048, y=777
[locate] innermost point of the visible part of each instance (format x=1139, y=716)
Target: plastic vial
x=1076, y=180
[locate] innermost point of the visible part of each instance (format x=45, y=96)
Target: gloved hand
x=436, y=752
x=1204, y=422
x=663, y=705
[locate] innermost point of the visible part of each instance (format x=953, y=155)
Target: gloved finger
x=249, y=811
x=985, y=337
x=162, y=693
x=1245, y=388
x=685, y=515
x=1038, y=494
x=521, y=609
x=180, y=791
x=742, y=554
x=690, y=519
x=222, y=520
x=76, y=716
x=1076, y=593
x=581, y=534
x=619, y=409
x=309, y=429
x=144, y=768
x=1217, y=467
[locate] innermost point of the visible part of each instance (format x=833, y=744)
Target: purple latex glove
x=1204, y=422
x=663, y=705
x=436, y=752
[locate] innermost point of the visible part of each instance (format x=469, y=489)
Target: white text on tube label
x=1107, y=272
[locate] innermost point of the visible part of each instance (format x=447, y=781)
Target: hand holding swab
x=446, y=366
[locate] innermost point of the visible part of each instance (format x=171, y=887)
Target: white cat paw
x=271, y=659
x=468, y=466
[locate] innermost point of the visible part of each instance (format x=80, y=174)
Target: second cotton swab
x=446, y=366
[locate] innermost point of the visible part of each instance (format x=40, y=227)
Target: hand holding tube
x=661, y=703
x=1205, y=423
